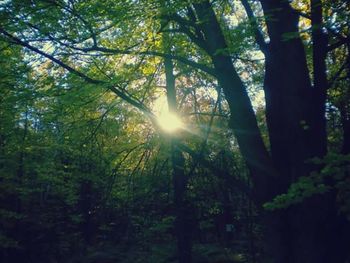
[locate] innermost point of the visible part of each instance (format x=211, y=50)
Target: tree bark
x=295, y=113
x=288, y=93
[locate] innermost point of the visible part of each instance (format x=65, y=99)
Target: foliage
x=335, y=169
x=86, y=175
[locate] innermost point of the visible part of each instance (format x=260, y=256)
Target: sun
x=169, y=122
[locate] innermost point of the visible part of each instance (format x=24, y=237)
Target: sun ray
x=169, y=122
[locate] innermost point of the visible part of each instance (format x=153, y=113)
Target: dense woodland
x=204, y=131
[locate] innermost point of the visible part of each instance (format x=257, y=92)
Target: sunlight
x=169, y=122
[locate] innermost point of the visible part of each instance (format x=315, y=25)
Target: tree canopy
x=174, y=131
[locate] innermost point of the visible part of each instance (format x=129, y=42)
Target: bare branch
x=235, y=181
x=258, y=34
x=341, y=42
x=86, y=78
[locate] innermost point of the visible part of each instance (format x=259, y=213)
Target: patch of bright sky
x=160, y=105
x=35, y=60
x=255, y=91
x=4, y=2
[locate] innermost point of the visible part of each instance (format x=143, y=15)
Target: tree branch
x=236, y=182
x=341, y=42
x=86, y=78
x=258, y=34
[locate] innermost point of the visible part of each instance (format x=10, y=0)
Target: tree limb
x=86, y=78
x=258, y=34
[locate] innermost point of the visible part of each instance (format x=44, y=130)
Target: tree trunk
x=288, y=93
x=297, y=129
x=345, y=120
x=183, y=226
x=242, y=120
x=344, y=109
x=319, y=53
x=296, y=123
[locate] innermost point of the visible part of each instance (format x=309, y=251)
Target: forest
x=175, y=131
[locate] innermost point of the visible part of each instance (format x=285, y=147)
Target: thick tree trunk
x=297, y=129
x=288, y=92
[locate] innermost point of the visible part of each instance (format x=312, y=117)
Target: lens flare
x=169, y=122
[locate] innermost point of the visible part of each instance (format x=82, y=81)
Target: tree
x=295, y=87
